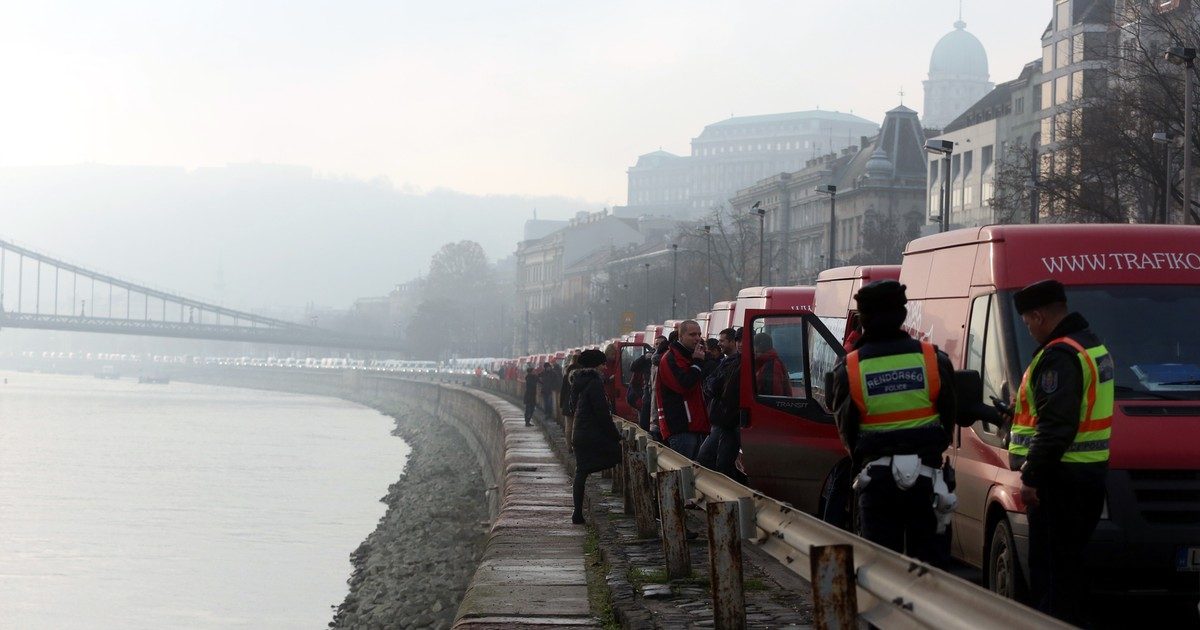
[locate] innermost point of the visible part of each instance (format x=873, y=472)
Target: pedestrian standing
x=531, y=383
x=548, y=381
x=894, y=400
x=650, y=400
x=720, y=449
x=596, y=440
x=683, y=420
x=564, y=400
x=1059, y=441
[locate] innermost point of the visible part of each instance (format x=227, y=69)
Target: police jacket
x=929, y=442
x=1057, y=384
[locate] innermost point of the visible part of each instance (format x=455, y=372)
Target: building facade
x=1003, y=125
x=659, y=184
x=958, y=76
x=880, y=182
x=732, y=154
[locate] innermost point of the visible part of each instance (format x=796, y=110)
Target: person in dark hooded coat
x=595, y=439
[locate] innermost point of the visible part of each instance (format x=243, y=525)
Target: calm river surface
x=182, y=506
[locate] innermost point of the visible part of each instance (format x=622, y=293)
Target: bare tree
x=884, y=236
x=1101, y=164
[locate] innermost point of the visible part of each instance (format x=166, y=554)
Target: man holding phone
x=682, y=416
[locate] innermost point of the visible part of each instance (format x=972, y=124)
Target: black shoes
x=577, y=518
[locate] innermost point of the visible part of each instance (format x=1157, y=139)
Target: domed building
x=958, y=76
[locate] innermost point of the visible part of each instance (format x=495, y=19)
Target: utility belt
x=906, y=469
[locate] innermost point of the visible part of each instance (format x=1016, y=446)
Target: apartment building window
x=968, y=180
x=1063, y=54
x=1062, y=15
x=1062, y=90
x=1077, y=85
x=985, y=159
x=1077, y=48
x=1019, y=106
x=1047, y=93
x=1047, y=59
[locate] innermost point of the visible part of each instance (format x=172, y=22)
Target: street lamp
x=1166, y=138
x=647, y=266
x=708, y=261
x=674, y=276
x=762, y=214
x=945, y=148
x=1186, y=57
x=831, y=190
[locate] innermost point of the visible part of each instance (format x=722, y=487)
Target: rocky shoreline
x=413, y=570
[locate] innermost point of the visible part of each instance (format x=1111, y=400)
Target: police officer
x=895, y=405
x=1059, y=442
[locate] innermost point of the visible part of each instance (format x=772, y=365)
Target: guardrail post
x=627, y=486
x=747, y=527
x=835, y=599
x=725, y=565
x=618, y=476
x=643, y=499
x=674, y=529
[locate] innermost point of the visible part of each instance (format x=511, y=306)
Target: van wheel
x=1004, y=569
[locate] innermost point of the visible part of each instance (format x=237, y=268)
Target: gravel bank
x=412, y=571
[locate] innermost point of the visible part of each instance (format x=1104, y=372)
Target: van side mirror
x=968, y=389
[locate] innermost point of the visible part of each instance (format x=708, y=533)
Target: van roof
x=1074, y=254
x=867, y=273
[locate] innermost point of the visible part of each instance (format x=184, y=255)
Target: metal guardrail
x=892, y=590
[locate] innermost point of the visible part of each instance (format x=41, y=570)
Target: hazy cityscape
x=282, y=226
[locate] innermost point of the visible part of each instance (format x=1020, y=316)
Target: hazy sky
x=544, y=98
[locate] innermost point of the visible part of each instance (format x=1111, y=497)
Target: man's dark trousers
x=901, y=520
x=1070, y=503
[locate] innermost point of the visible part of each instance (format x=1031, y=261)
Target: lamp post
x=674, y=276
x=647, y=266
x=1186, y=57
x=945, y=148
x=831, y=190
x=762, y=214
x=1165, y=138
x=708, y=261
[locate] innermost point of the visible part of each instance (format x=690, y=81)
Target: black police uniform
x=1070, y=495
x=902, y=520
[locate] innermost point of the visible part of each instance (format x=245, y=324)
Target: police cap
x=1039, y=294
x=881, y=295
x=592, y=358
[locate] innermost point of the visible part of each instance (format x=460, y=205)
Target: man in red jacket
x=682, y=417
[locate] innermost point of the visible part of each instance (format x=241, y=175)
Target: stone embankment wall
x=531, y=570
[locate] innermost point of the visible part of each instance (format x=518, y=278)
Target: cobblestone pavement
x=643, y=598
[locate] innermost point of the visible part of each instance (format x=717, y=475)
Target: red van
x=721, y=317
x=835, y=295
x=1139, y=288
x=703, y=319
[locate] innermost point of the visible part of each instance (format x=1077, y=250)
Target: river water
x=181, y=505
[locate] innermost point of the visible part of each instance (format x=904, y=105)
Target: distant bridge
x=40, y=292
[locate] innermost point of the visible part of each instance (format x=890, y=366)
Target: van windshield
x=1151, y=331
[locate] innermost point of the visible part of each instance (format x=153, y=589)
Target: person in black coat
x=531, y=383
x=596, y=442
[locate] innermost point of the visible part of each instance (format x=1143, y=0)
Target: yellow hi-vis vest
x=897, y=391
x=1095, y=410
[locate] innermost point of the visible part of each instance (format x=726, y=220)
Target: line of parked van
x=1138, y=287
